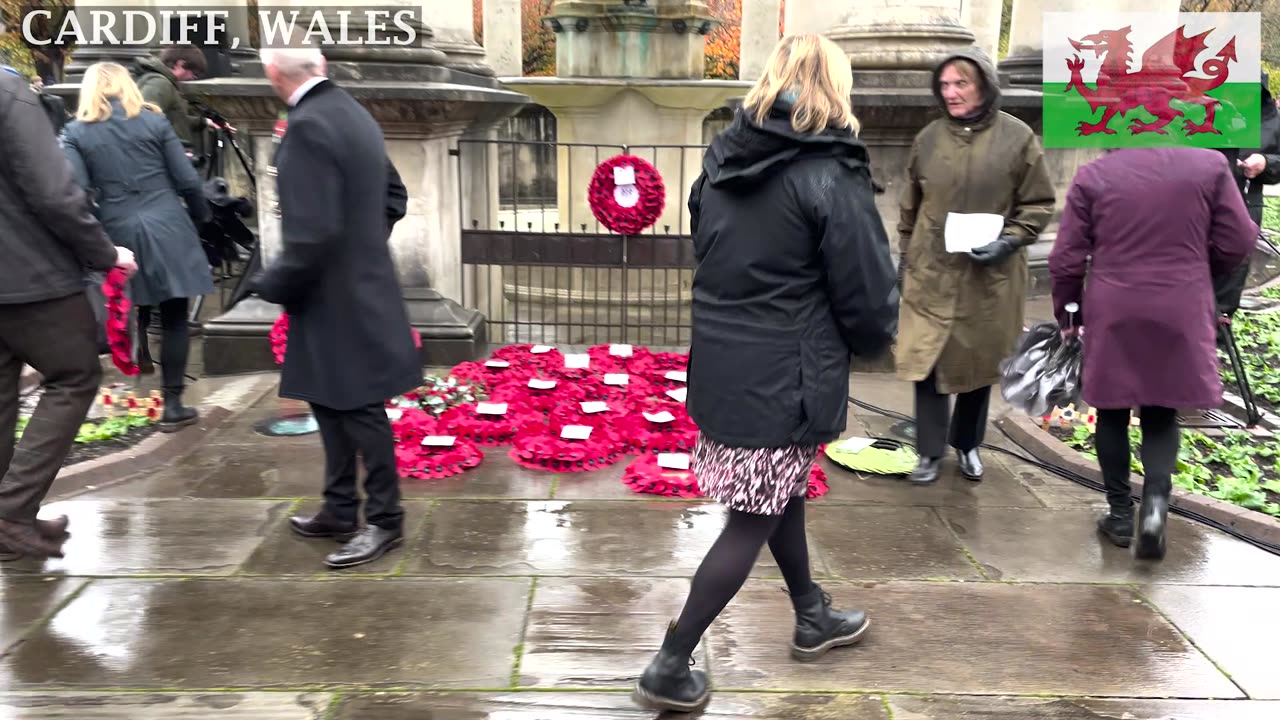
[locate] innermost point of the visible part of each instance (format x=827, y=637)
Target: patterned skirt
x=760, y=481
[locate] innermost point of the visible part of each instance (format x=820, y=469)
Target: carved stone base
x=236, y=341
x=451, y=334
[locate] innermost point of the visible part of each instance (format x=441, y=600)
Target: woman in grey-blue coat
x=126, y=155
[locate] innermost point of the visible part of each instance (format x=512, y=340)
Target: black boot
x=970, y=464
x=1152, y=518
x=819, y=628
x=669, y=684
x=1117, y=527
x=176, y=415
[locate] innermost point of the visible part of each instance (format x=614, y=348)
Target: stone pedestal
x=760, y=34
x=613, y=39
x=902, y=35
x=983, y=17
x=423, y=107
x=503, y=41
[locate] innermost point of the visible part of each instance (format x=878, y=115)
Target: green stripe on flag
x=1238, y=120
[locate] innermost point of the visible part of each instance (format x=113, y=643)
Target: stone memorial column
x=983, y=17
x=455, y=36
x=503, y=41
x=904, y=35
x=760, y=33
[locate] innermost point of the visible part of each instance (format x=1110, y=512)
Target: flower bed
x=1237, y=468
x=103, y=437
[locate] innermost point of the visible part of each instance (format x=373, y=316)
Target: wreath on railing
x=626, y=194
x=120, y=336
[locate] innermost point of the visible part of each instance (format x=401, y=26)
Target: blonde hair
x=104, y=82
x=818, y=72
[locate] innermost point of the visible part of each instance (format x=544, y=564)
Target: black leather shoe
x=1152, y=518
x=819, y=628
x=926, y=471
x=323, y=525
x=1117, y=528
x=669, y=684
x=368, y=545
x=970, y=464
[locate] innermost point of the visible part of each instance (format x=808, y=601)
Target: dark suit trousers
x=366, y=431
x=968, y=424
x=58, y=338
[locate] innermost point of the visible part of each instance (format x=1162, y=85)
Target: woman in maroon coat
x=1153, y=227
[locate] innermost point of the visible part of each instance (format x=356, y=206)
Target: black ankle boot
x=926, y=471
x=669, y=684
x=1117, y=527
x=1152, y=518
x=819, y=628
x=176, y=415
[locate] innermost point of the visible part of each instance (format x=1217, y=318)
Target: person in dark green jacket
x=158, y=78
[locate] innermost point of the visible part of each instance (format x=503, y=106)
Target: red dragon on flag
x=1163, y=78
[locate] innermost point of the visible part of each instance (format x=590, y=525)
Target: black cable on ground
x=1079, y=479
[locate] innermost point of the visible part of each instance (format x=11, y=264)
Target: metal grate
x=1209, y=419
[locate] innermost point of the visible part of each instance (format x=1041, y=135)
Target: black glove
x=994, y=252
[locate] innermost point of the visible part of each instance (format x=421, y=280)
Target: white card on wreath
x=439, y=440
x=661, y=417
x=575, y=432
x=542, y=384
x=678, y=376
x=394, y=414
x=540, y=349
x=577, y=362
x=594, y=407
x=625, y=175
x=485, y=408
x=621, y=350
x=855, y=444
x=678, y=394
x=673, y=461
x=497, y=364
x=616, y=379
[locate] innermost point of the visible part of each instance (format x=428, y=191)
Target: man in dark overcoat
x=350, y=346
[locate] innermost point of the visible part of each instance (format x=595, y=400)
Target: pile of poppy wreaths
x=563, y=413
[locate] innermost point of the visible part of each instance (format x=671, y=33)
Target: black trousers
x=1160, y=440
x=968, y=424
x=365, y=431
x=59, y=339
x=175, y=341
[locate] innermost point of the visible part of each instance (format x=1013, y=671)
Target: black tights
x=175, y=341
x=1160, y=440
x=729, y=562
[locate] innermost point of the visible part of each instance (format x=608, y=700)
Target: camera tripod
x=1227, y=340
x=215, y=165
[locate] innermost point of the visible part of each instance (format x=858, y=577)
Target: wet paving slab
x=156, y=537
x=165, y=706
x=467, y=537
x=264, y=633
x=988, y=638
x=25, y=602
x=1217, y=619
x=1063, y=545
x=969, y=708
x=602, y=706
x=881, y=543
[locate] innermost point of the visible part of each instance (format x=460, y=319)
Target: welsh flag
x=1114, y=79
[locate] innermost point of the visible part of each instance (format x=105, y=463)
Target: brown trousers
x=57, y=338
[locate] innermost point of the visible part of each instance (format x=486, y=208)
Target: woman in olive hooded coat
x=961, y=313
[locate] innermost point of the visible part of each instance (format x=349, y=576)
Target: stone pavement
x=530, y=596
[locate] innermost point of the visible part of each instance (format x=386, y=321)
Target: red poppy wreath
x=626, y=194
x=119, y=335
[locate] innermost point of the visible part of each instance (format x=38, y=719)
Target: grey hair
x=304, y=62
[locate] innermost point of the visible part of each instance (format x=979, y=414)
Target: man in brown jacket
x=48, y=239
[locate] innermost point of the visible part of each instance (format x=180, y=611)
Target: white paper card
x=855, y=444
x=485, y=408
x=439, y=440
x=497, y=364
x=594, y=407
x=575, y=432
x=966, y=231
x=625, y=175
x=621, y=350
x=616, y=379
x=542, y=384
x=662, y=417
x=678, y=394
x=394, y=414
x=678, y=376
x=673, y=461
x=540, y=349
x=577, y=362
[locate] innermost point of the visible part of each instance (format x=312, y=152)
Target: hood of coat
x=746, y=153
x=146, y=65
x=991, y=85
